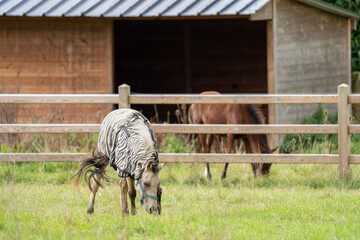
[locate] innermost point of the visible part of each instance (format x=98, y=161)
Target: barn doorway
x=189, y=56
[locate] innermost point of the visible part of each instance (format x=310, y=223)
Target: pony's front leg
x=123, y=195
x=132, y=194
x=94, y=189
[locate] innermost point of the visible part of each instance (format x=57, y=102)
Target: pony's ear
x=160, y=166
x=148, y=166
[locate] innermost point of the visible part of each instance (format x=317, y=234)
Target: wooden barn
x=170, y=46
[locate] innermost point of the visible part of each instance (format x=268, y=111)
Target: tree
x=352, y=5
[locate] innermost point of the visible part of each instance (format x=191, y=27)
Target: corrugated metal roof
x=129, y=8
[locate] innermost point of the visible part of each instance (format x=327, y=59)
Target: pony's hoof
x=223, y=177
x=90, y=210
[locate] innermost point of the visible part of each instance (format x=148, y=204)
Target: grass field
x=295, y=202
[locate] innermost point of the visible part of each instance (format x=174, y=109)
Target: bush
x=172, y=143
x=315, y=143
x=352, y=5
x=297, y=142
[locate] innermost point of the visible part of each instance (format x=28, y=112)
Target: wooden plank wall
x=55, y=56
x=190, y=56
x=310, y=55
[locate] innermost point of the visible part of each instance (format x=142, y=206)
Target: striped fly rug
x=127, y=140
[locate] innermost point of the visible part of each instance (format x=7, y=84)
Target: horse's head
x=262, y=169
x=149, y=188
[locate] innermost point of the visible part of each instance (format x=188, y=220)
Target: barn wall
x=56, y=56
x=310, y=53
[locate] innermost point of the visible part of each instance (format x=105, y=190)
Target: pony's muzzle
x=151, y=206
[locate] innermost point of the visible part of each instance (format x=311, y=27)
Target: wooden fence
x=124, y=99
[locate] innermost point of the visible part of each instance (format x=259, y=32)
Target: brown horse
x=232, y=114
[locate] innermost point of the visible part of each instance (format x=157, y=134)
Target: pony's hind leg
x=230, y=143
x=132, y=194
x=94, y=189
x=123, y=195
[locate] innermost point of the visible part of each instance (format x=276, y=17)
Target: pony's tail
x=255, y=113
x=95, y=164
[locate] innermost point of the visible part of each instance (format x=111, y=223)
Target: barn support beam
x=344, y=136
x=187, y=58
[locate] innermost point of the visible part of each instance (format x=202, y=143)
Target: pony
x=127, y=144
x=231, y=114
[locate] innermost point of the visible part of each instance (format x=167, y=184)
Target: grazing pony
x=126, y=143
x=231, y=114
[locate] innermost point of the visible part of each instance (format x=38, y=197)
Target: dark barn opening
x=190, y=56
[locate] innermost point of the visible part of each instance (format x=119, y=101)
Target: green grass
x=294, y=202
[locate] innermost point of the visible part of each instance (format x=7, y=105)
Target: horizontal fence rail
x=49, y=128
x=191, y=158
x=232, y=99
x=171, y=98
x=59, y=98
x=185, y=128
x=343, y=99
x=185, y=158
x=176, y=99
x=179, y=128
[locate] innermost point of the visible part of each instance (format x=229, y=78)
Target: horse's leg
x=132, y=194
x=209, y=142
x=254, y=147
x=248, y=150
x=94, y=187
x=230, y=143
x=123, y=195
x=202, y=138
x=265, y=171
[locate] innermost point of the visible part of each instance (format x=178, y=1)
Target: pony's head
x=148, y=187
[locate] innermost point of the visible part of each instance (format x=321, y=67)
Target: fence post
x=124, y=94
x=343, y=134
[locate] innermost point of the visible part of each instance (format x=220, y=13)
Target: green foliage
x=317, y=143
x=37, y=143
x=353, y=5
x=297, y=142
x=173, y=143
x=49, y=172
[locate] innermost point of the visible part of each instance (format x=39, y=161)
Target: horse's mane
x=257, y=113
x=259, y=118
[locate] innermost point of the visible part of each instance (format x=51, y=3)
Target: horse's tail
x=190, y=117
x=259, y=118
x=95, y=164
